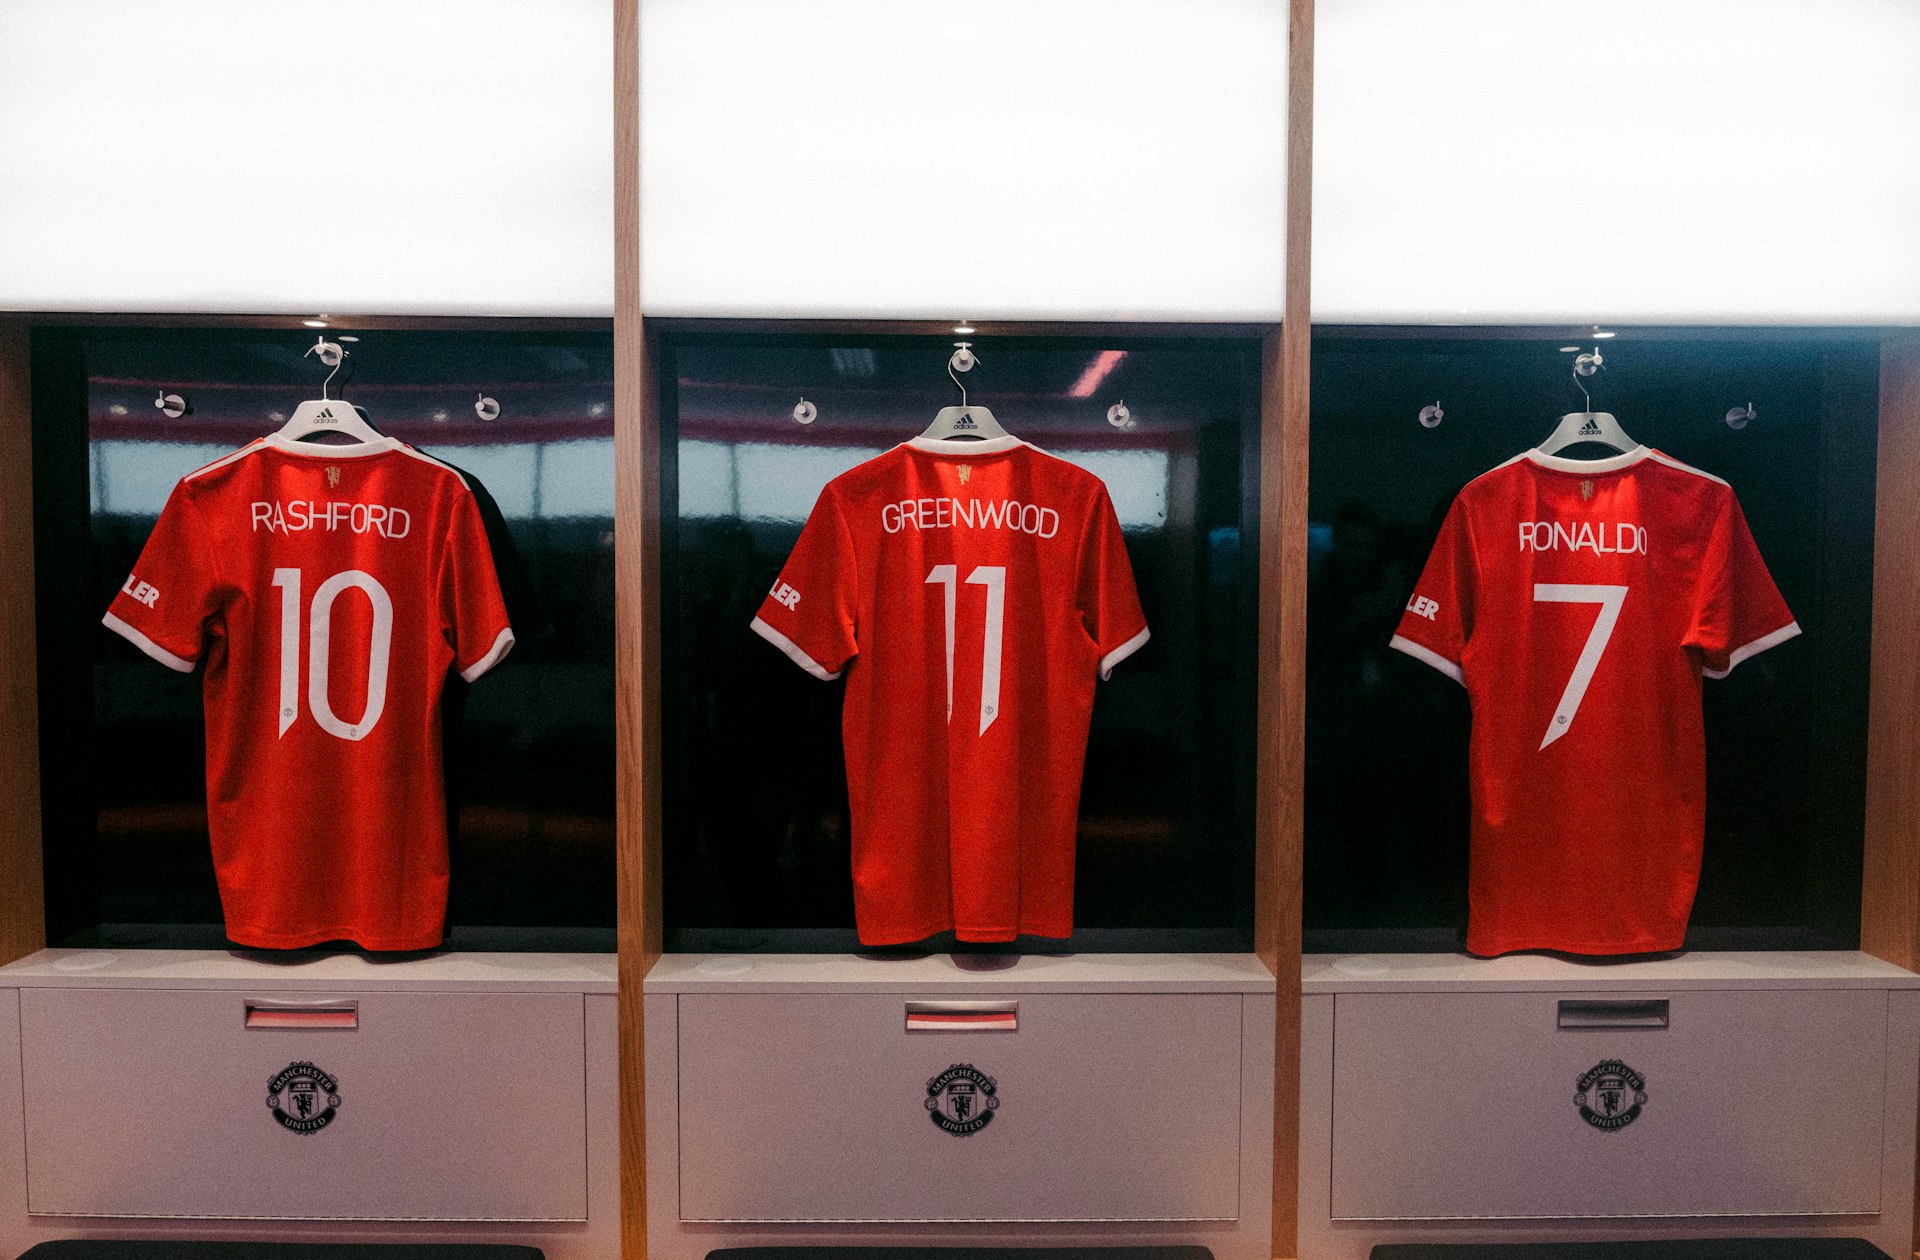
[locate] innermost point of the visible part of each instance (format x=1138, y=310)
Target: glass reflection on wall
x=756, y=830
x=1387, y=806
x=529, y=748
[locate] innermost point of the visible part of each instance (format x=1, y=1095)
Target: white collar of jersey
x=1613, y=463
x=964, y=446
x=323, y=450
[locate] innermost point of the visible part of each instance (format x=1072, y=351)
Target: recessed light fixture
x=346, y=338
x=314, y=323
x=963, y=330
x=1602, y=336
x=1569, y=349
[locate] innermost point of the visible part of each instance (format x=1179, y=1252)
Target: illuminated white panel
x=780, y=483
x=1136, y=482
x=134, y=478
x=1001, y=159
x=707, y=480
x=576, y=478
x=356, y=156
x=506, y=470
x=1638, y=160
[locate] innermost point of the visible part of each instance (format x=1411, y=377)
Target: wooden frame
x=22, y=890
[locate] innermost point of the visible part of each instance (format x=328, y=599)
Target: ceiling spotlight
x=963, y=329
x=315, y=323
x=1602, y=336
x=1569, y=349
x=346, y=338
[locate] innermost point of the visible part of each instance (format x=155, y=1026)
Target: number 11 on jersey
x=994, y=578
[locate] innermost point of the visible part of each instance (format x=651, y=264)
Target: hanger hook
x=963, y=358
x=1586, y=365
x=332, y=354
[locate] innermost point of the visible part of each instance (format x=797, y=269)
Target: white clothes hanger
x=963, y=421
x=324, y=414
x=1589, y=425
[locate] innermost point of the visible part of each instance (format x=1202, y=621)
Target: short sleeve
x=1109, y=604
x=475, y=614
x=1438, y=619
x=166, y=603
x=810, y=614
x=1738, y=611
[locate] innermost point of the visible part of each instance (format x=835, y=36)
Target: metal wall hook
x=1738, y=417
x=1430, y=417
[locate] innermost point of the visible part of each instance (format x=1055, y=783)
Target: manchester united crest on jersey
x=303, y=1098
x=1611, y=1095
x=962, y=1100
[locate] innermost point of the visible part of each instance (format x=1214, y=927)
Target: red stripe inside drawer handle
x=954, y=1017
x=309, y=1017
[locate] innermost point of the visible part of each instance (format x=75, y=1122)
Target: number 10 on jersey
x=994, y=578
x=320, y=651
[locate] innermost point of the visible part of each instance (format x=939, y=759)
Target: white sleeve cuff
x=792, y=650
x=502, y=644
x=1431, y=657
x=1754, y=648
x=141, y=641
x=1121, y=653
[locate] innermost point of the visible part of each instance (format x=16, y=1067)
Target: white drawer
x=1757, y=1103
x=143, y=1102
x=814, y=1108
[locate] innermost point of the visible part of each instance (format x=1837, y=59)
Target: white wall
x=352, y=156
x=998, y=159
x=1698, y=161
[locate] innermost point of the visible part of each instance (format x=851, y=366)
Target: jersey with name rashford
x=1580, y=601
x=328, y=590
x=972, y=591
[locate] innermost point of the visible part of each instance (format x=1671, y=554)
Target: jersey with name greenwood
x=328, y=591
x=972, y=591
x=1580, y=602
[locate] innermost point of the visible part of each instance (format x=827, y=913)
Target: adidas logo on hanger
x=965, y=421
x=325, y=414
x=1591, y=428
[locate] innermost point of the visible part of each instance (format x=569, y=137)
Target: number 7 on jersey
x=1610, y=598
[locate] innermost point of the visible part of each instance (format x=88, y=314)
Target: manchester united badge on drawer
x=296, y=1094
x=962, y=1099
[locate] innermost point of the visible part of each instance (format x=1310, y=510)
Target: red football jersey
x=972, y=591
x=328, y=589
x=1580, y=601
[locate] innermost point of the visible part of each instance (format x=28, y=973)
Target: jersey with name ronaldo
x=1580, y=602
x=328, y=590
x=972, y=591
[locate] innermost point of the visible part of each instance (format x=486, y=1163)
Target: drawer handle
x=303, y=1015
x=1613, y=1013
x=963, y=1017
